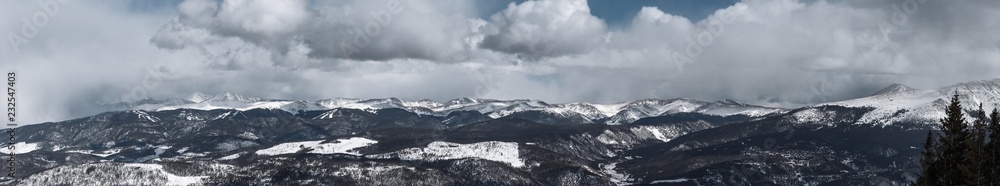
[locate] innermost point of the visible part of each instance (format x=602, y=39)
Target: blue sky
x=617, y=13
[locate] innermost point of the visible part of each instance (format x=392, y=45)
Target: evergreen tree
x=975, y=168
x=993, y=149
x=929, y=162
x=952, y=144
x=961, y=154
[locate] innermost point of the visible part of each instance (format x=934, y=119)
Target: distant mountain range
x=612, y=114
x=228, y=139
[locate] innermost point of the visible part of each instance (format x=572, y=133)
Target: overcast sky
x=73, y=54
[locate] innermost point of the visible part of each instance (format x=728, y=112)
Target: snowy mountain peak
x=894, y=88
x=228, y=96
x=463, y=101
x=635, y=110
x=426, y=103
x=972, y=87
x=731, y=102
x=395, y=101
x=198, y=97
x=901, y=104
x=340, y=100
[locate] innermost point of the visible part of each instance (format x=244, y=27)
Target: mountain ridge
x=895, y=87
x=238, y=140
x=613, y=114
x=924, y=106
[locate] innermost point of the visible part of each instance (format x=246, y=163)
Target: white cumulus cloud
x=545, y=29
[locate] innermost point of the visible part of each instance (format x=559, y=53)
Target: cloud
x=357, y=30
x=772, y=52
x=545, y=29
x=87, y=52
x=270, y=24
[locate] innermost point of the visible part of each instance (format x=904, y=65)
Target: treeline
x=962, y=154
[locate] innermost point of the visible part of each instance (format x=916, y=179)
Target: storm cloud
x=770, y=52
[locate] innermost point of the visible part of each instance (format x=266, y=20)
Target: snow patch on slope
x=637, y=134
x=663, y=134
x=889, y=108
x=618, y=178
x=231, y=156
x=110, y=174
x=20, y=148
x=809, y=115
x=102, y=154
x=678, y=180
x=341, y=146
x=172, y=179
x=506, y=152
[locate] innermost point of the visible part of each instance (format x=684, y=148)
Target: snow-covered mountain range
x=893, y=104
x=229, y=139
x=901, y=104
x=613, y=114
